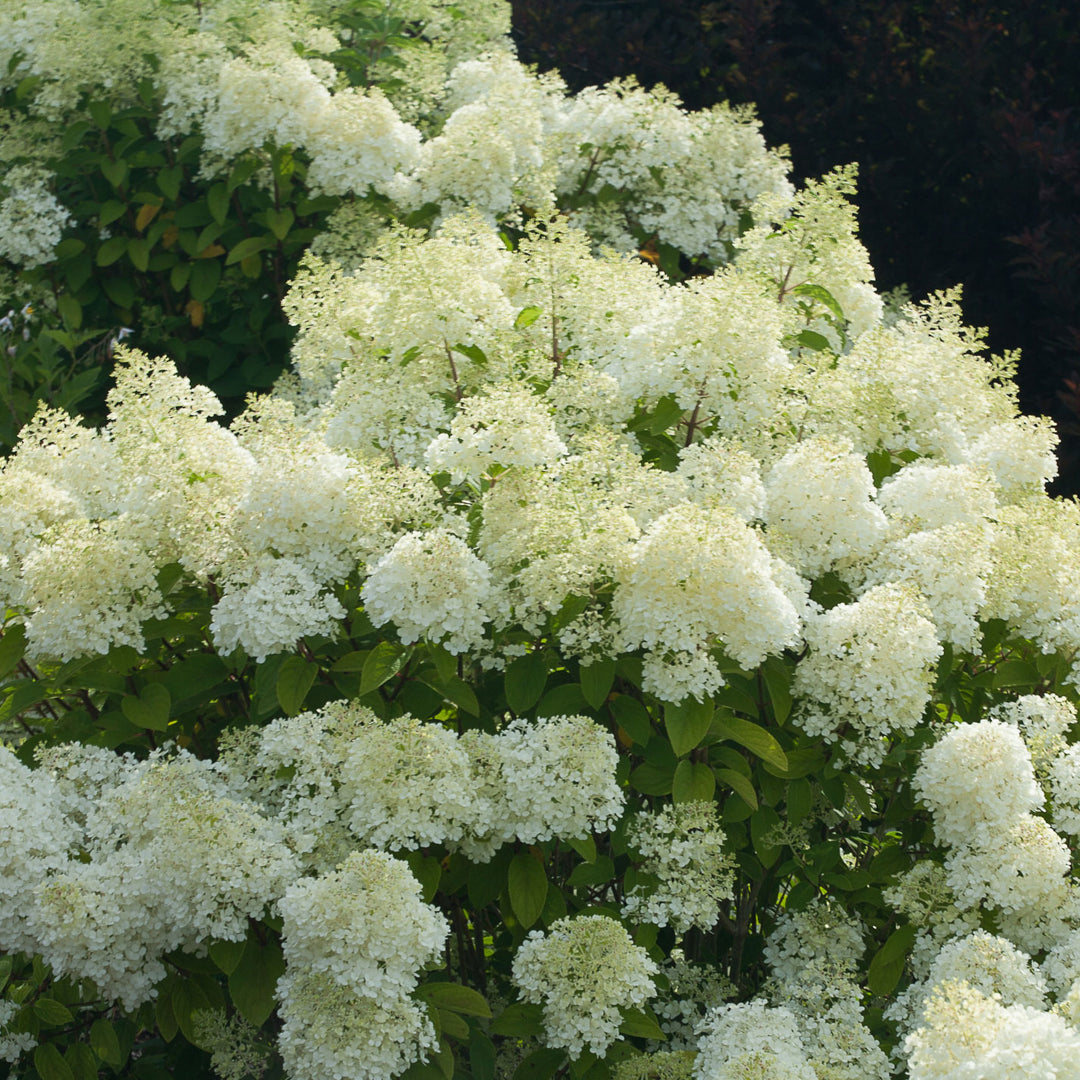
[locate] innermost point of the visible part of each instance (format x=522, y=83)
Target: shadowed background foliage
x=961, y=116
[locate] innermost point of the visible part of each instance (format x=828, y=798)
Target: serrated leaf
x=381, y=665
x=596, y=681
x=641, y=1024
x=752, y=736
x=528, y=886
x=295, y=678
x=104, y=1042
x=740, y=785
x=252, y=984
x=50, y=1064
x=456, y=998
x=524, y=681
x=687, y=724
x=519, y=1021
x=527, y=316
x=594, y=873
x=693, y=782
x=888, y=963
x=821, y=295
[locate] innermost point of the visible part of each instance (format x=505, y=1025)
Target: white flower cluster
x=967, y=1033
x=129, y=863
x=751, y=1039
x=869, y=670
x=31, y=219
x=682, y=845
x=364, y=925
x=431, y=585
x=583, y=971
x=980, y=784
x=406, y=784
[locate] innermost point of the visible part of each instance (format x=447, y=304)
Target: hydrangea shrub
x=564, y=670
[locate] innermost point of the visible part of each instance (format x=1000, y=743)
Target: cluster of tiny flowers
x=431, y=585
x=583, y=971
x=31, y=219
x=967, y=1033
x=13, y=1044
x=364, y=925
x=750, y=1040
x=869, y=669
x=1044, y=721
x=687, y=991
x=402, y=783
x=683, y=847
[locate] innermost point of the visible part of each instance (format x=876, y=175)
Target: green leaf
x=762, y=823
x=527, y=316
x=168, y=180
x=652, y=779
x=687, y=724
x=115, y=172
x=810, y=339
x=351, y=662
x=632, y=717
x=100, y=112
x=189, y=998
x=693, y=782
x=294, y=680
x=596, y=681
x=482, y=1056
x=12, y=648
x=150, y=710
x=110, y=211
x=473, y=353
x=51, y=1013
x=166, y=1018
x=280, y=222
x=427, y=870
x=594, y=873
x=642, y=1024
x=217, y=199
x=1015, y=673
x=50, y=1064
x=70, y=310
x=246, y=248
x=227, y=954
x=252, y=984
x=528, y=886
x=821, y=295
x=752, y=736
x=382, y=664
x=111, y=250
x=740, y=785
x=459, y=999
x=139, y=252
x=524, y=681
x=585, y=846
x=800, y=797
x=777, y=676
x=104, y=1043
x=451, y=1024
x=205, y=277
x=178, y=276
x=519, y=1021
x=540, y=1065
x=82, y=1061
x=455, y=690
x=888, y=963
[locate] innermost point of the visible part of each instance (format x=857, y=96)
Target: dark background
x=962, y=118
